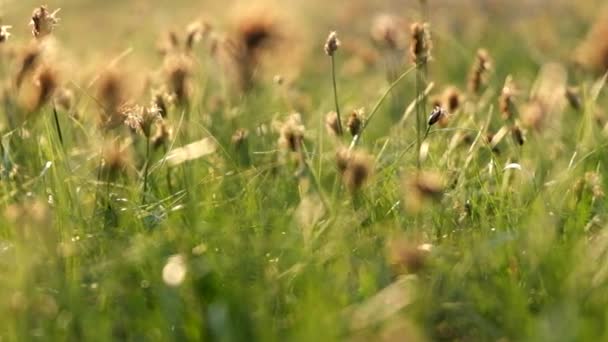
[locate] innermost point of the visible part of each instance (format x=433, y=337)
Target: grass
x=212, y=237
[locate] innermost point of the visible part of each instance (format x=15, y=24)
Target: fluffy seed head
x=163, y=134
x=388, y=30
x=356, y=167
x=422, y=188
x=420, y=43
x=331, y=124
x=116, y=160
x=355, y=122
x=28, y=62
x=292, y=133
x=46, y=82
x=43, y=22
x=111, y=94
x=479, y=71
x=505, y=102
x=451, y=99
x=178, y=72
x=332, y=44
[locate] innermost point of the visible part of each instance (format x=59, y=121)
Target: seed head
x=116, y=160
x=46, y=82
x=505, y=102
x=4, y=34
x=332, y=44
x=28, y=62
x=43, y=22
x=452, y=99
x=140, y=119
x=388, y=30
x=355, y=122
x=420, y=43
x=178, y=71
x=64, y=99
x=194, y=33
x=422, y=188
x=407, y=257
x=479, y=71
x=331, y=124
x=111, y=94
x=292, y=133
x=356, y=167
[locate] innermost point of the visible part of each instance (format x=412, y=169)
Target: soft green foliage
x=275, y=247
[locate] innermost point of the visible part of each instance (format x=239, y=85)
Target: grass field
x=197, y=170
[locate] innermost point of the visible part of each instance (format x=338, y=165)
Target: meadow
x=387, y=170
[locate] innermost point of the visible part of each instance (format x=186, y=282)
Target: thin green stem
x=146, y=168
x=335, y=86
x=58, y=126
x=357, y=137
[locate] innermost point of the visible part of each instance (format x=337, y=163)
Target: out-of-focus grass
x=232, y=250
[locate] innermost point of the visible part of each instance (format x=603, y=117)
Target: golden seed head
x=292, y=133
x=140, y=119
x=64, y=99
x=43, y=22
x=332, y=44
x=355, y=122
x=46, y=82
x=479, y=71
x=420, y=43
x=506, y=100
x=388, y=30
x=111, y=94
x=178, y=72
x=4, y=34
x=332, y=125
x=452, y=99
x=29, y=61
x=195, y=32
x=422, y=188
x=356, y=168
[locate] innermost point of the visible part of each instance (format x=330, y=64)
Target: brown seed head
x=452, y=99
x=4, y=34
x=64, y=99
x=28, y=63
x=292, y=133
x=406, y=257
x=420, y=43
x=195, y=32
x=479, y=71
x=111, y=94
x=388, y=30
x=356, y=167
x=43, y=22
x=46, y=82
x=116, y=160
x=178, y=72
x=506, y=100
x=355, y=122
x=593, y=51
x=332, y=44
x=422, y=188
x=331, y=124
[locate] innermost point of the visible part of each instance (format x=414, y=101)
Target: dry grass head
x=43, y=22
x=593, y=51
x=162, y=135
x=422, y=189
x=332, y=125
x=332, y=44
x=355, y=167
x=389, y=31
x=46, y=81
x=117, y=160
x=406, y=256
x=506, y=101
x=420, y=43
x=355, y=122
x=111, y=94
x=291, y=133
x=28, y=61
x=479, y=71
x=178, y=71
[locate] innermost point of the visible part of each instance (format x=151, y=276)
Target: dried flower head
x=506, y=100
x=331, y=124
x=420, y=43
x=390, y=31
x=178, y=71
x=355, y=122
x=195, y=32
x=46, y=82
x=404, y=256
x=4, y=34
x=292, y=133
x=64, y=99
x=422, y=188
x=43, y=22
x=162, y=100
x=593, y=51
x=140, y=119
x=356, y=168
x=452, y=98
x=116, y=160
x=29, y=61
x=332, y=44
x=111, y=94
x=479, y=71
